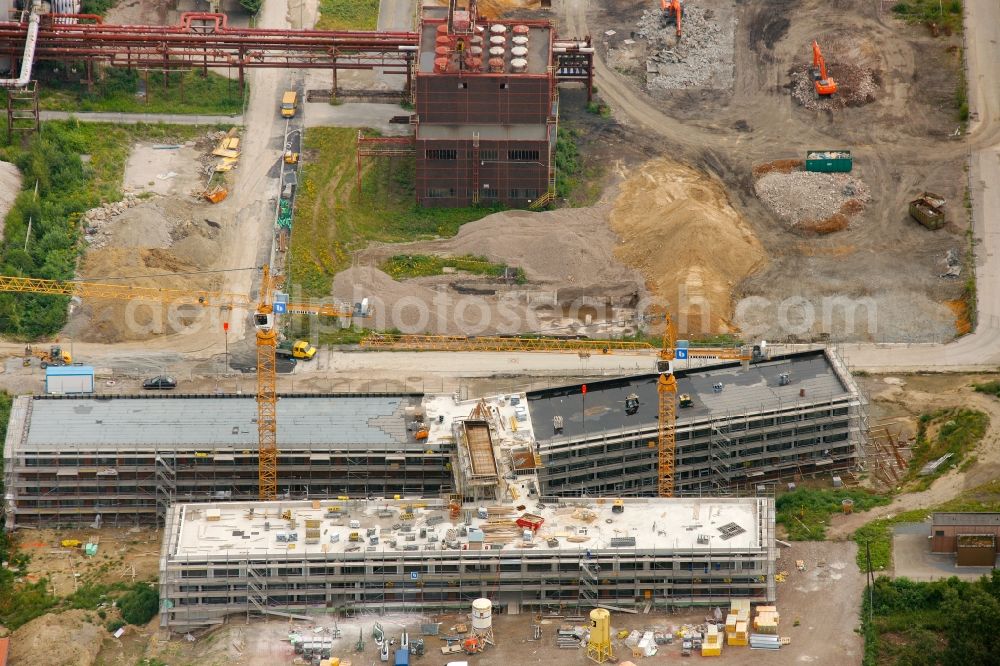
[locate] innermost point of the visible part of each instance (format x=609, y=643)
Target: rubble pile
x=702, y=57
x=856, y=86
x=813, y=202
x=95, y=220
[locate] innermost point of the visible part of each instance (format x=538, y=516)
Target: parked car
x=161, y=382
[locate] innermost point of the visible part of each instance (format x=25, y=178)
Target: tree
x=140, y=604
x=973, y=625
x=252, y=6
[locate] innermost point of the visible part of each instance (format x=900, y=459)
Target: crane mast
x=267, y=392
x=666, y=391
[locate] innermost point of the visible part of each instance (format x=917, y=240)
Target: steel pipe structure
x=205, y=40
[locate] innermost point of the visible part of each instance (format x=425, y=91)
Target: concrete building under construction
x=243, y=558
x=69, y=460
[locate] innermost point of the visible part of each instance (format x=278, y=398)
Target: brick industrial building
x=971, y=537
x=487, y=108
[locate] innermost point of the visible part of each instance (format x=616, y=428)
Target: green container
x=829, y=161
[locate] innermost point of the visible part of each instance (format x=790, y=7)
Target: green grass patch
x=990, y=388
x=347, y=14
x=117, y=91
x=403, y=266
x=945, y=14
x=878, y=533
x=332, y=221
x=99, y=7
x=956, y=431
x=66, y=188
x=805, y=512
x=949, y=622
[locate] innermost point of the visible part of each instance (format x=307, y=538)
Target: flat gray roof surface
x=603, y=407
x=967, y=518
x=360, y=422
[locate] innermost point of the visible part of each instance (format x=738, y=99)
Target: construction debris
x=812, y=202
x=703, y=57
x=856, y=86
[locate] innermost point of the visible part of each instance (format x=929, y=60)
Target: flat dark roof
x=751, y=390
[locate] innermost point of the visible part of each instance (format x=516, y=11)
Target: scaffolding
x=202, y=589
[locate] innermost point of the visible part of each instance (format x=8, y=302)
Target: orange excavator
x=672, y=11
x=825, y=85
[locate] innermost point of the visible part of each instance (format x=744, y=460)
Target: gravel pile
x=703, y=57
x=856, y=86
x=810, y=199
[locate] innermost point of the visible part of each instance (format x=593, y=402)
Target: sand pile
x=679, y=229
x=59, y=639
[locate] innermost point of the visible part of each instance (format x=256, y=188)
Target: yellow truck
x=300, y=349
x=289, y=103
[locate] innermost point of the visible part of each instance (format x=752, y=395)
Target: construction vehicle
x=684, y=400
x=54, y=356
x=666, y=383
x=631, y=403
x=300, y=349
x=618, y=506
x=825, y=86
x=263, y=320
x=289, y=104
x=71, y=543
x=672, y=12
x=291, y=157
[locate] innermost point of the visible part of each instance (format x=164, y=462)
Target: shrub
x=139, y=605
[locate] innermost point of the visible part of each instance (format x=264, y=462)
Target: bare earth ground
x=901, y=143
x=121, y=551
x=903, y=399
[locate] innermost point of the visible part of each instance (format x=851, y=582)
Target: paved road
x=149, y=118
x=357, y=114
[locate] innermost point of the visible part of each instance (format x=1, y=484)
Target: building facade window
x=523, y=193
x=441, y=154
x=440, y=192
x=522, y=155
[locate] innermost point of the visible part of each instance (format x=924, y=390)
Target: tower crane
x=666, y=383
x=264, y=323
x=825, y=85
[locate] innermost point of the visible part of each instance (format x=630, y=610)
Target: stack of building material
x=569, y=636
x=737, y=622
x=647, y=644
x=712, y=646
x=764, y=642
x=766, y=620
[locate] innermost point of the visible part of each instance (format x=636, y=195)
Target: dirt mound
x=191, y=245
x=679, y=229
x=61, y=639
x=809, y=202
x=567, y=256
